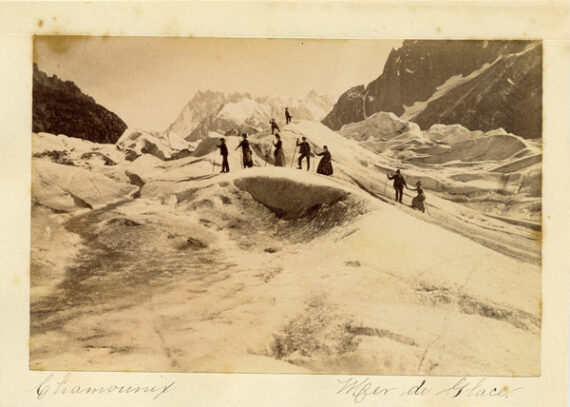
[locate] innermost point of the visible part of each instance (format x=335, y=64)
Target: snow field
x=274, y=270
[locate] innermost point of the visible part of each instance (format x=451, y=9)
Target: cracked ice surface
x=275, y=270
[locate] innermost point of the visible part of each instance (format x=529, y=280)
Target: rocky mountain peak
x=60, y=107
x=464, y=82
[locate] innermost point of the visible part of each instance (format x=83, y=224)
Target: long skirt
x=325, y=167
x=418, y=202
x=279, y=158
x=247, y=159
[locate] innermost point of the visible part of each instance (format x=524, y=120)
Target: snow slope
x=474, y=214
x=278, y=270
x=495, y=172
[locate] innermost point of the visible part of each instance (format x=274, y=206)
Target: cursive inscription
x=52, y=386
x=361, y=388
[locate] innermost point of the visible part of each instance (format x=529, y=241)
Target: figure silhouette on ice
x=224, y=153
x=305, y=151
x=399, y=184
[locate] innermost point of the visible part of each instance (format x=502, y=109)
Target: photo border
x=387, y=20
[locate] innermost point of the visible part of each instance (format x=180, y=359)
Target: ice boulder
x=451, y=133
x=164, y=146
x=295, y=194
x=379, y=126
x=67, y=188
x=62, y=149
x=491, y=148
x=287, y=197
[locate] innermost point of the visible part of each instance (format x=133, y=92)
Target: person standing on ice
x=305, y=151
x=418, y=201
x=399, y=184
x=278, y=153
x=325, y=165
x=287, y=116
x=274, y=126
x=224, y=153
x=246, y=151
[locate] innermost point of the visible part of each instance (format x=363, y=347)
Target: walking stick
x=385, y=184
x=213, y=164
x=293, y=158
x=265, y=165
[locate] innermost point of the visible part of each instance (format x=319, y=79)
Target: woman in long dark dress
x=325, y=165
x=418, y=200
x=278, y=154
x=246, y=151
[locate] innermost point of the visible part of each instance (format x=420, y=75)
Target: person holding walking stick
x=246, y=151
x=305, y=151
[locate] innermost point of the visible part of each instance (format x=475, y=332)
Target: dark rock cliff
x=59, y=107
x=488, y=84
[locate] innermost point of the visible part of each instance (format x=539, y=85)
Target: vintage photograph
x=286, y=206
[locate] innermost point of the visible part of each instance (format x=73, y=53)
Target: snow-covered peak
x=211, y=111
x=244, y=111
x=205, y=94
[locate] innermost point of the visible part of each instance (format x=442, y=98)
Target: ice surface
x=65, y=188
x=75, y=151
x=162, y=146
x=460, y=164
x=282, y=270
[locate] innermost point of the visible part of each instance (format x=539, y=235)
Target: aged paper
x=33, y=375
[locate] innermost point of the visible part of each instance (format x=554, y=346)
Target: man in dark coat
x=287, y=116
x=274, y=126
x=224, y=153
x=399, y=184
x=305, y=150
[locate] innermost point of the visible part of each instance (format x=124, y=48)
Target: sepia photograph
x=309, y=206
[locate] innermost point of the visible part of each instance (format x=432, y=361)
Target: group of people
x=325, y=164
x=275, y=126
x=324, y=167
x=400, y=184
x=247, y=153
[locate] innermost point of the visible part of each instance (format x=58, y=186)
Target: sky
x=147, y=81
